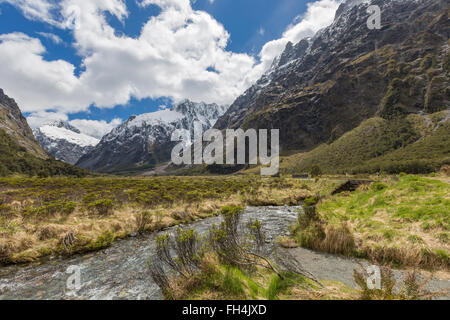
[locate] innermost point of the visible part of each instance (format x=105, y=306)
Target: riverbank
x=44, y=218
x=120, y=271
x=400, y=220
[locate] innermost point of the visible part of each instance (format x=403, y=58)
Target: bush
x=103, y=241
x=102, y=206
x=316, y=171
x=143, y=220
x=410, y=289
x=69, y=207
x=378, y=186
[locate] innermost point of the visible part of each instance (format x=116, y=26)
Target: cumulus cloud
x=180, y=53
x=95, y=128
x=40, y=118
x=37, y=84
x=319, y=14
x=35, y=9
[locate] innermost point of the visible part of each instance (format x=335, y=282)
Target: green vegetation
x=65, y=215
x=227, y=264
x=15, y=159
x=411, y=288
x=401, y=220
x=413, y=144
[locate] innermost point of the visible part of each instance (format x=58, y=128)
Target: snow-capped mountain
x=145, y=140
x=327, y=85
x=64, y=141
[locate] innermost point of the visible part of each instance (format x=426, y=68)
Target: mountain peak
x=65, y=125
x=64, y=141
x=145, y=140
x=350, y=73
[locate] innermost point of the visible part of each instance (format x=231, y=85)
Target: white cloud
x=172, y=57
x=37, y=84
x=35, y=9
x=95, y=128
x=53, y=37
x=319, y=14
x=38, y=119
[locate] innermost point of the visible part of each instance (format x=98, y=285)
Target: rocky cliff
x=323, y=87
x=14, y=123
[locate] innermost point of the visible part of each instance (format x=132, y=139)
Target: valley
x=99, y=200
x=110, y=227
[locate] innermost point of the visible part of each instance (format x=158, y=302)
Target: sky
x=95, y=63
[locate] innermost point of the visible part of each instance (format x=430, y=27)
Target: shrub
x=143, y=220
x=69, y=207
x=225, y=244
x=187, y=247
x=102, y=241
x=410, y=289
x=378, y=186
x=102, y=206
x=316, y=171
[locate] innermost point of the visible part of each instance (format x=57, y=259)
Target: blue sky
x=107, y=68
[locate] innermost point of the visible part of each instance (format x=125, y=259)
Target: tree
x=315, y=171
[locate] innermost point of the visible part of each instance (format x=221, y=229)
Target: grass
x=37, y=214
x=16, y=159
x=401, y=220
x=413, y=144
x=216, y=281
x=227, y=267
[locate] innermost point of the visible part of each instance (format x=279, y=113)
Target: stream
x=120, y=271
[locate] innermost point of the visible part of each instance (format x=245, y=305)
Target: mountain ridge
x=14, y=123
x=20, y=153
x=64, y=141
x=144, y=141
x=349, y=74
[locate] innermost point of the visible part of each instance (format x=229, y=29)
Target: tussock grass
x=36, y=214
x=401, y=220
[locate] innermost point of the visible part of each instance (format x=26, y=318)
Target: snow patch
x=80, y=139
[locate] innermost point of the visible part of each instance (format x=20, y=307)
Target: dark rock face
x=292, y=52
x=325, y=86
x=14, y=123
x=144, y=141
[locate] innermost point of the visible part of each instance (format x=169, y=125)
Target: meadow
x=45, y=217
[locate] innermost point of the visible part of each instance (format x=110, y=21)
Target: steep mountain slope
x=64, y=141
x=143, y=141
x=20, y=153
x=323, y=87
x=414, y=144
x=16, y=159
x=14, y=123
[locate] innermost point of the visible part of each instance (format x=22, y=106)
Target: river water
x=121, y=271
